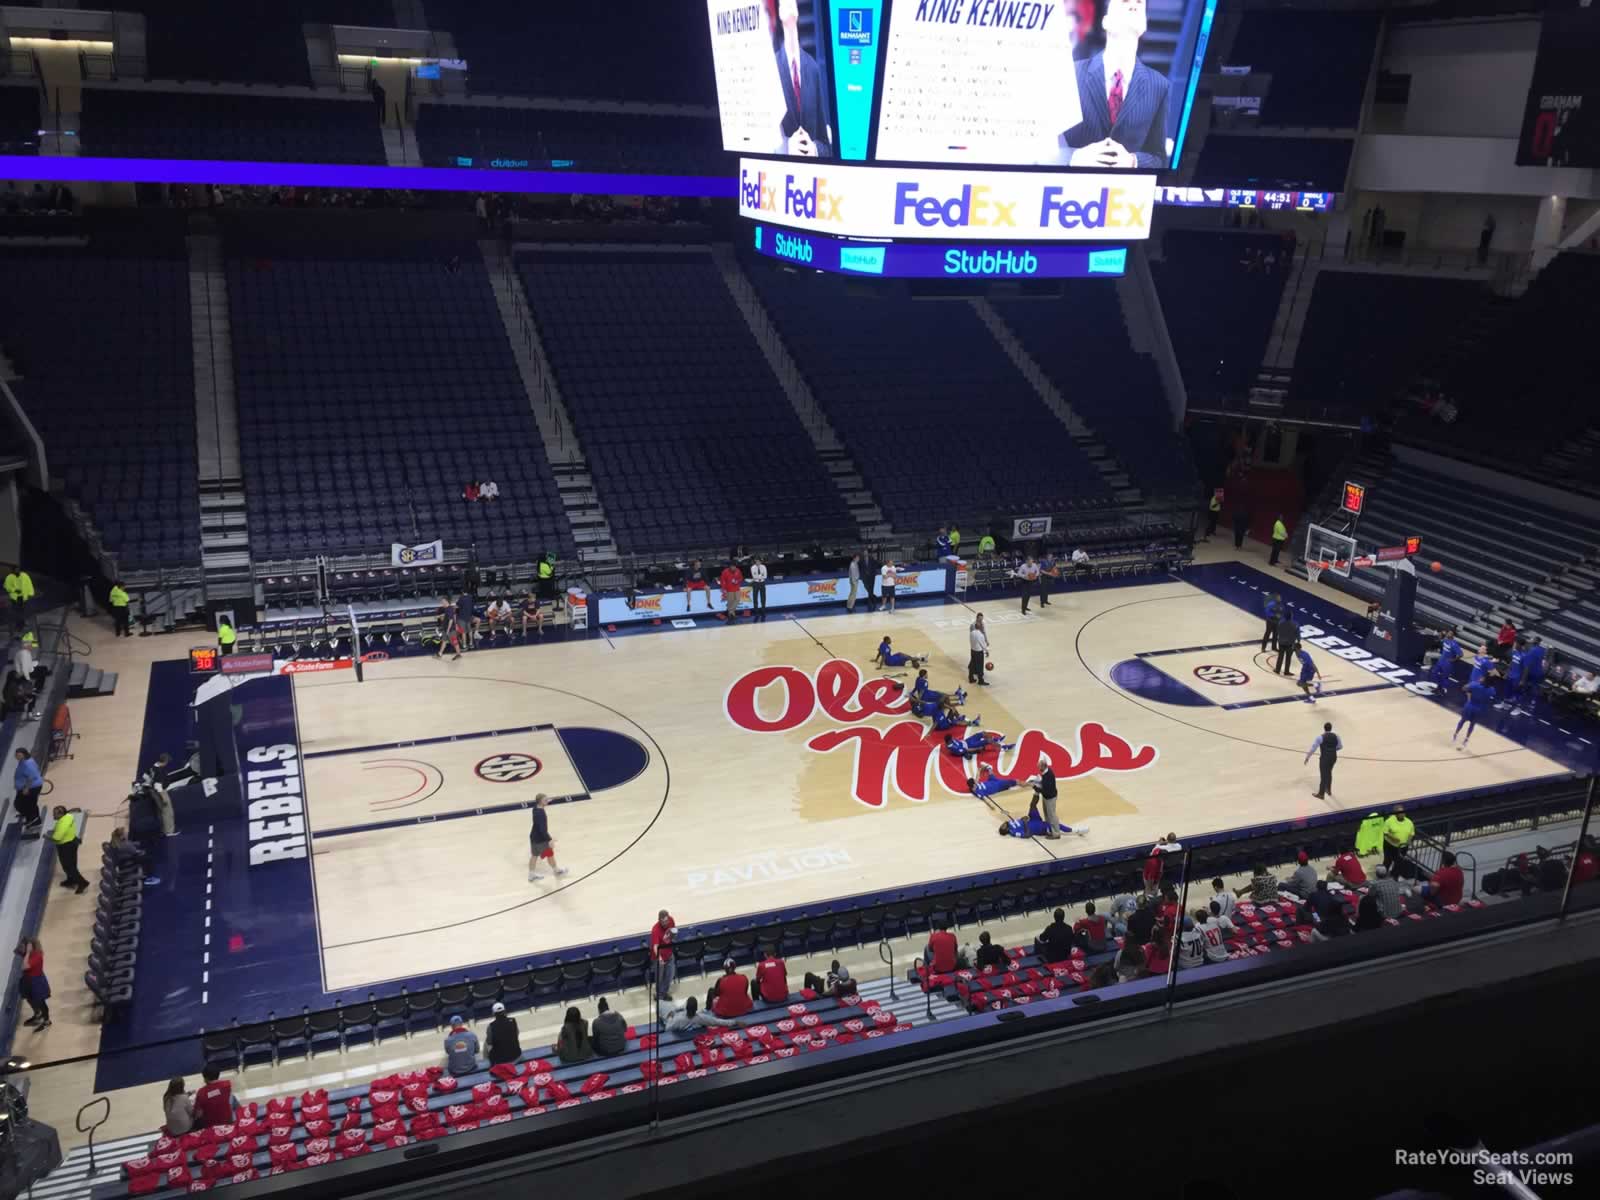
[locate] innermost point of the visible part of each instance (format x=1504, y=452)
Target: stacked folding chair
x=115, y=942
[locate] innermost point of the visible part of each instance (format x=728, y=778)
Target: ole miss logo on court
x=895, y=759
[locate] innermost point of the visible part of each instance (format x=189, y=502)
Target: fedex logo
x=811, y=199
x=973, y=207
x=1112, y=209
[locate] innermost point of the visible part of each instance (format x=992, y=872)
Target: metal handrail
x=886, y=954
x=90, y=1130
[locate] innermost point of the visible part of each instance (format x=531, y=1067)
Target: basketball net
x=1315, y=567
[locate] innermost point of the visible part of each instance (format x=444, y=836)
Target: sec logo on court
x=508, y=768
x=1220, y=675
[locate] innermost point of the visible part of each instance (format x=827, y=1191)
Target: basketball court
x=721, y=771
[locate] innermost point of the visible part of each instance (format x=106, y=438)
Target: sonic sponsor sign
x=896, y=202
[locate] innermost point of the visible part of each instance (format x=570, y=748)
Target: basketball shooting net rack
x=1330, y=550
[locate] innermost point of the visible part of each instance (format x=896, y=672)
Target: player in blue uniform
x=1308, y=672
x=1482, y=665
x=988, y=784
x=976, y=743
x=1449, y=651
x=1533, y=673
x=888, y=657
x=1272, y=609
x=925, y=702
x=1479, y=700
x=1515, y=672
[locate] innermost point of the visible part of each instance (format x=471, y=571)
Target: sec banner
x=912, y=202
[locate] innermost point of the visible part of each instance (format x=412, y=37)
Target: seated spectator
x=1263, y=886
x=213, y=1103
x=990, y=955
x=1191, y=943
x=838, y=982
x=609, y=1034
x=1167, y=911
x=1304, y=880
x=489, y=490
x=1131, y=962
x=1102, y=976
x=1368, y=915
x=470, y=492
x=123, y=852
x=1122, y=907
x=498, y=613
x=1347, y=870
x=1216, y=929
x=1158, y=952
x=730, y=995
x=1447, y=884
x=572, y=1043
x=690, y=1017
x=1090, y=930
x=1142, y=924
x=941, y=953
x=772, y=978
x=1586, y=684
x=1552, y=870
x=178, y=1108
x=460, y=1049
x=1055, y=944
x=1225, y=900
x=1329, y=911
x=1386, y=891
x=502, y=1042
x=1584, y=867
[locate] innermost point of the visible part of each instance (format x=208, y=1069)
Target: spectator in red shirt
x=1152, y=864
x=941, y=952
x=731, y=581
x=1347, y=867
x=1585, y=867
x=730, y=995
x=1505, y=639
x=1090, y=930
x=1447, y=883
x=213, y=1104
x=661, y=936
x=772, y=977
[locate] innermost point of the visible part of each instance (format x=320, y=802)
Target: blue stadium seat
x=141, y=124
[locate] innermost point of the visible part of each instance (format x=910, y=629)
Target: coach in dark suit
x=806, y=102
x=1124, y=102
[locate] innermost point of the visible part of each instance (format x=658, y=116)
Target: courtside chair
x=390, y=1015
x=516, y=991
x=323, y=1027
x=605, y=975
x=484, y=995
x=453, y=1000
x=220, y=1049
x=575, y=978
x=870, y=928
x=258, y=1041
x=634, y=970
x=546, y=988
x=422, y=1010
x=713, y=951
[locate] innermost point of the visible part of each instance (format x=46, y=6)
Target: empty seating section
x=579, y=50
x=643, y=142
x=19, y=120
x=1538, y=361
x=1319, y=62
x=1082, y=344
x=1220, y=293
x=373, y=383
x=140, y=124
x=1311, y=164
x=690, y=437
x=941, y=423
x=243, y=41
x=1501, y=553
x=1364, y=333
x=1574, y=631
x=101, y=338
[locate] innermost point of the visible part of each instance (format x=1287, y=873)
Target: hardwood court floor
x=779, y=791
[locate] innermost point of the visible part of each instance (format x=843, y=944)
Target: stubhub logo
x=810, y=199
x=797, y=249
x=990, y=262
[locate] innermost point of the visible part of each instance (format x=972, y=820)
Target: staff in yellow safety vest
x=1280, y=535
x=19, y=590
x=1369, y=836
x=226, y=636
x=1213, y=515
x=67, y=834
x=1398, y=831
x=119, y=609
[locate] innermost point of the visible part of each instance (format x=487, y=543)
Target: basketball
x=988, y=666
x=1436, y=566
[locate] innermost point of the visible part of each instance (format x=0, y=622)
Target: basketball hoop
x=1313, y=570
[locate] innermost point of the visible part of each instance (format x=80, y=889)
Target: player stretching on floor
x=888, y=657
x=945, y=717
x=1308, y=671
x=1479, y=700
x=925, y=701
x=975, y=744
x=988, y=784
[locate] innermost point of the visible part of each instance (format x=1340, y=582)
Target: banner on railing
x=1030, y=527
x=401, y=555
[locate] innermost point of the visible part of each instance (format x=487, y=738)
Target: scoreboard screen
x=203, y=660
x=1355, y=495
